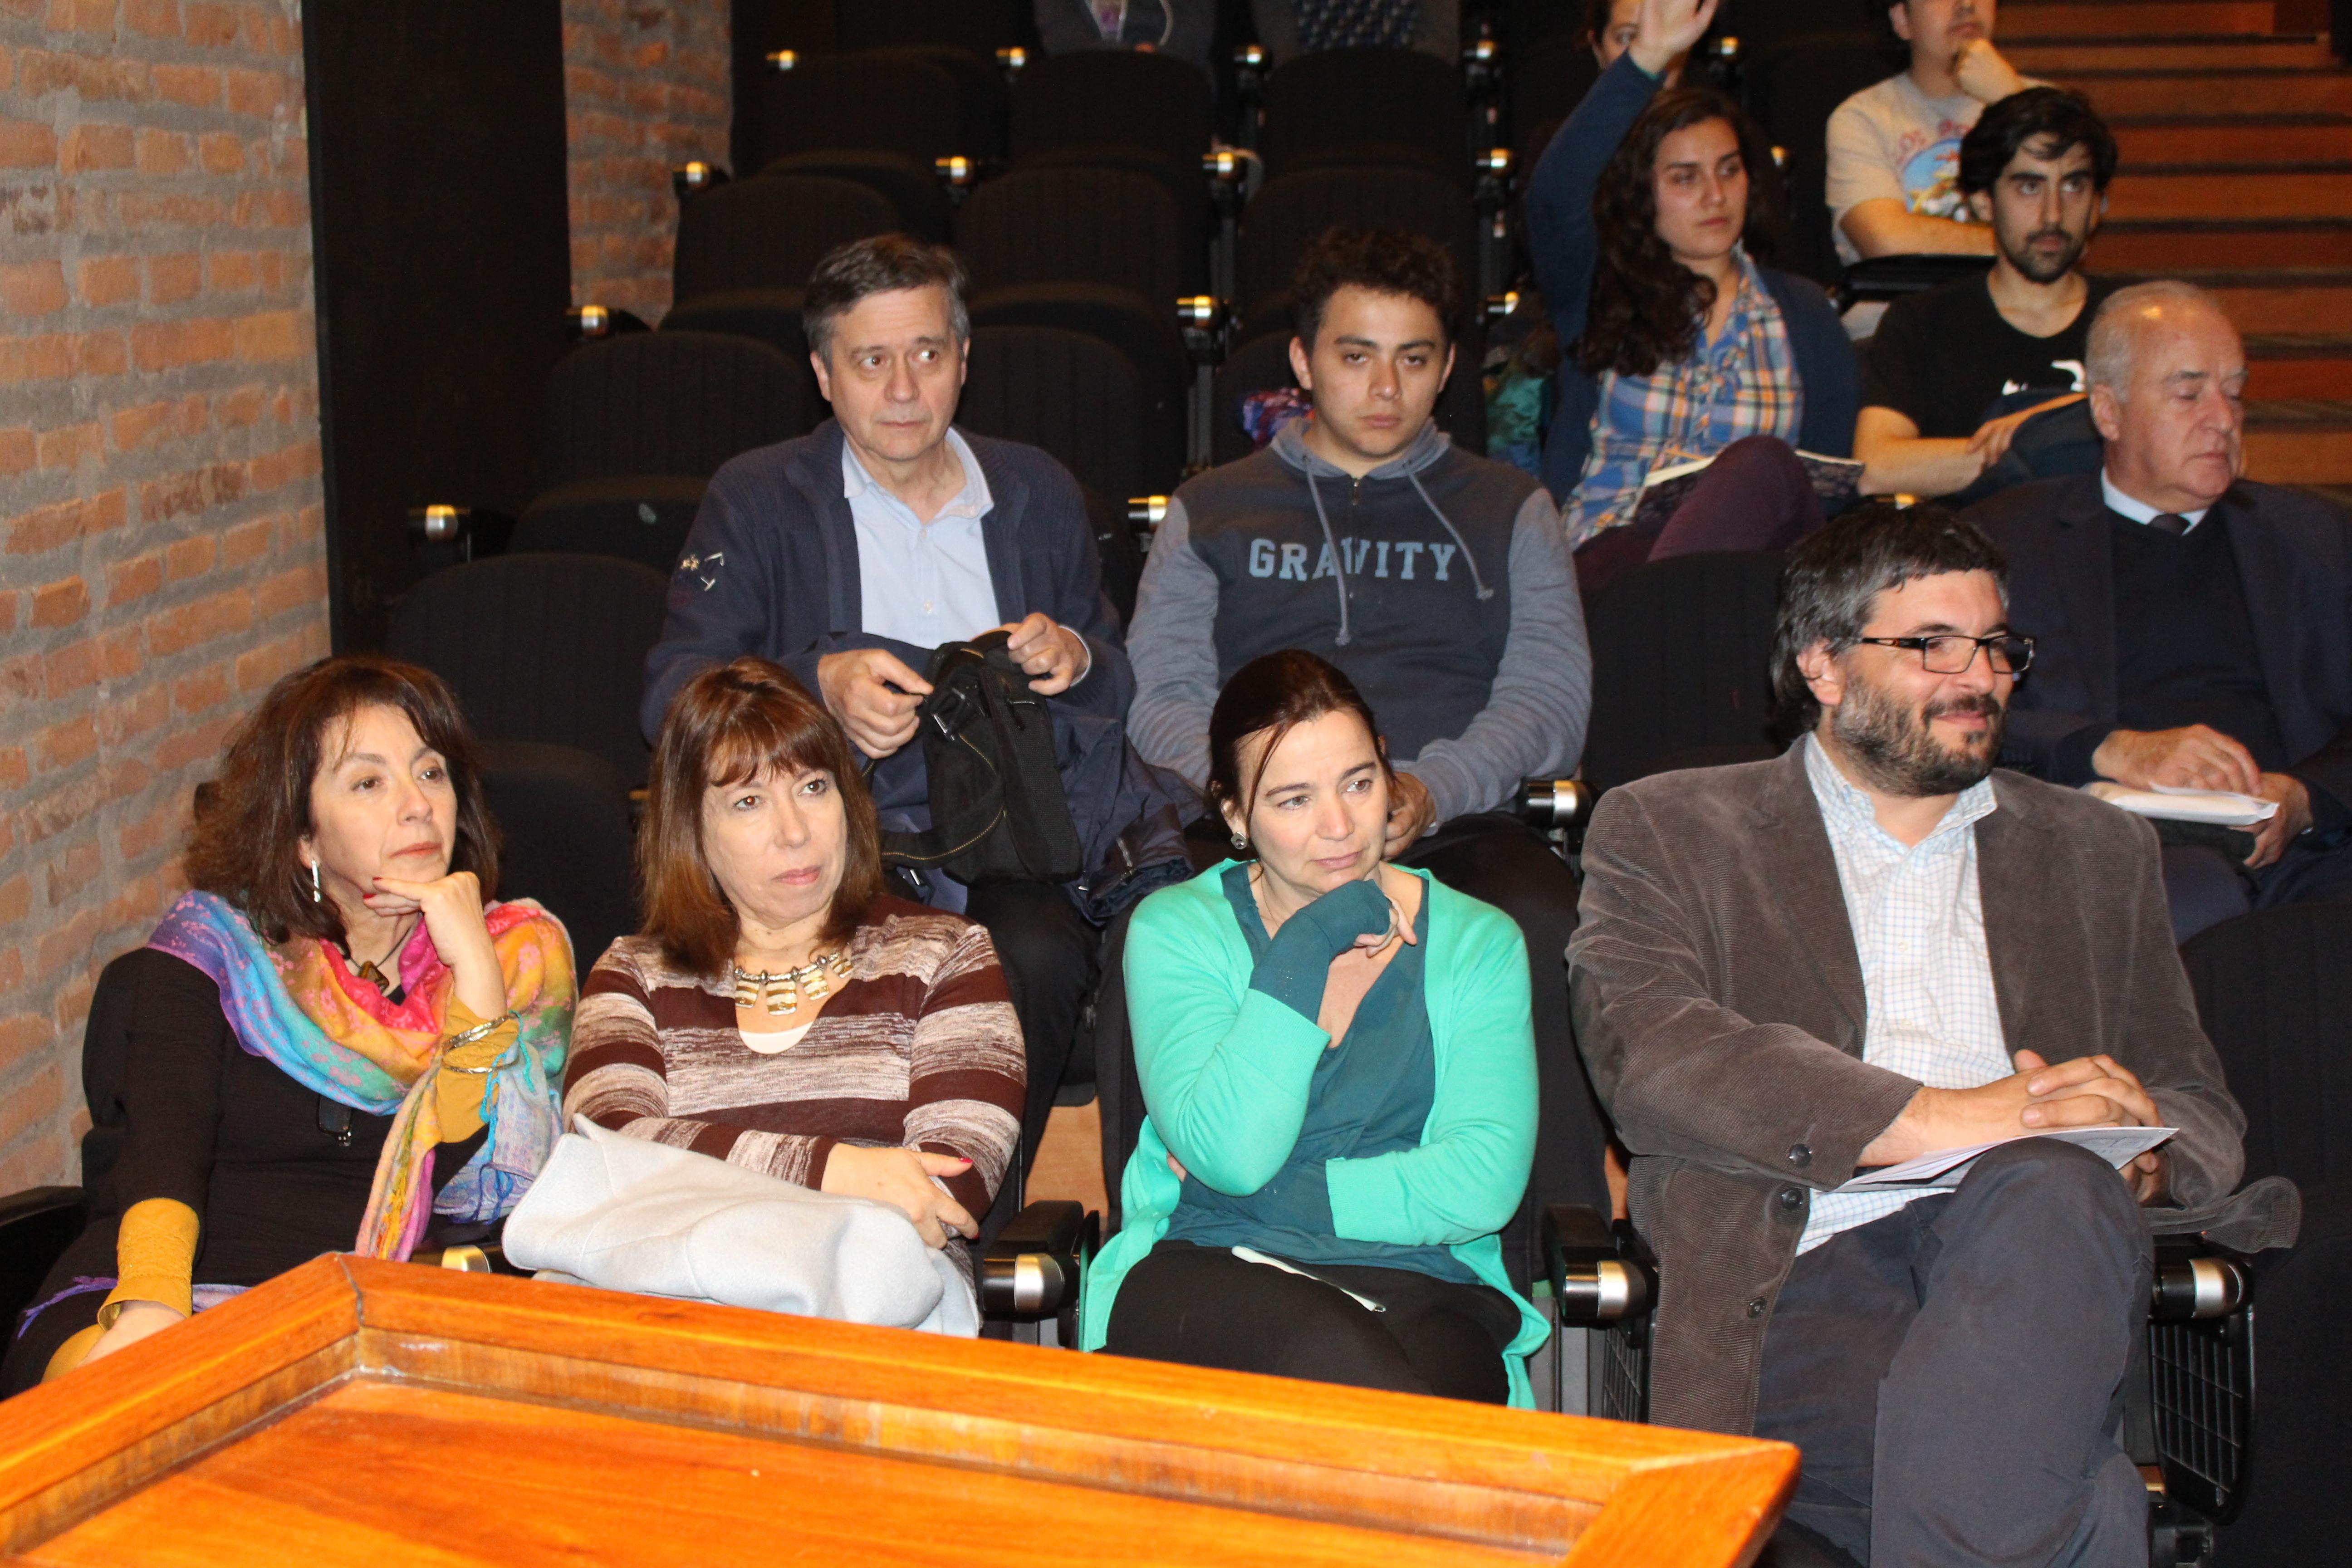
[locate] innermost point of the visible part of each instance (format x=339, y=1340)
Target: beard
x=1898, y=748
x=2032, y=265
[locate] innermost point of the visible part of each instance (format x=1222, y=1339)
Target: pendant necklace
x=781, y=993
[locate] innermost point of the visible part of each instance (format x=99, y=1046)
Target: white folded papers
x=2221, y=807
x=1944, y=1168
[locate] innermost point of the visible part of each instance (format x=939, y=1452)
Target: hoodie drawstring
x=1460, y=542
x=1331, y=542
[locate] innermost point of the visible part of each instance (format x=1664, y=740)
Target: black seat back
x=884, y=102
x=1793, y=88
x=564, y=815
x=1112, y=97
x=1263, y=364
x=770, y=233
x=2274, y=991
x=1366, y=103
x=1107, y=227
x=540, y=648
x=665, y=403
x=1547, y=85
x=1682, y=652
x=1290, y=210
x=979, y=27
x=1073, y=394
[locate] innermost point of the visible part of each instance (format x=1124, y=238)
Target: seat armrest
x=1032, y=1271
x=1599, y=1274
x=2196, y=1281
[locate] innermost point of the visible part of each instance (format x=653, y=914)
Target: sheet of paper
x=1945, y=1167
x=2224, y=809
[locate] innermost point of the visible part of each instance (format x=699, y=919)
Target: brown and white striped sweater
x=919, y=1046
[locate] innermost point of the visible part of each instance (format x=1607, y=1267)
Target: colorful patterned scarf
x=299, y=1008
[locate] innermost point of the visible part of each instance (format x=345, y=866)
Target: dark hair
x=2052, y=119
x=1648, y=307
x=1276, y=692
x=1596, y=21
x=1384, y=261
x=1833, y=580
x=723, y=727
x=880, y=265
x=244, y=845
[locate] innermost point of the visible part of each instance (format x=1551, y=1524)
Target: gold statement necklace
x=782, y=993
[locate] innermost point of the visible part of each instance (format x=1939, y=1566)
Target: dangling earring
x=1241, y=841
x=314, y=882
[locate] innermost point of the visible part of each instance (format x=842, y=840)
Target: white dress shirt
x=1931, y=1012
x=922, y=583
x=2139, y=510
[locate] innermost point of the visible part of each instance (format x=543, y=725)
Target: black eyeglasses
x=1950, y=654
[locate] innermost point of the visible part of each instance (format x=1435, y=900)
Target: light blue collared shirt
x=1930, y=1011
x=922, y=583
x=2139, y=510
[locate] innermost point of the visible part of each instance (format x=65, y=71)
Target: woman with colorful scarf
x=336, y=1042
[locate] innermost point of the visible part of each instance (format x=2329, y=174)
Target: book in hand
x=2119, y=1146
x=1835, y=480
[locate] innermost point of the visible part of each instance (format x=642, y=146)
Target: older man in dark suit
x=1873, y=948
x=2195, y=627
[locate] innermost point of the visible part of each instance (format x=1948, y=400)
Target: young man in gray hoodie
x=1439, y=582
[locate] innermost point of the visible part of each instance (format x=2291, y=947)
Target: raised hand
x=1666, y=30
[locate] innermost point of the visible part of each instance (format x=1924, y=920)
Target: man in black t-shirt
x=1952, y=369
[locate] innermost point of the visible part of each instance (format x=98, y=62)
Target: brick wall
x=646, y=87
x=161, y=554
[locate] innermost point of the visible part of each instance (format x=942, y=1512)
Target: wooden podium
x=356, y=1412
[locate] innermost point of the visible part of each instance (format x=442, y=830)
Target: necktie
x=2171, y=522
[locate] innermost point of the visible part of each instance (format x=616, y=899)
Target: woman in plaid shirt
x=1684, y=347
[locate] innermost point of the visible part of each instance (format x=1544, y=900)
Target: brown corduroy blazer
x=1719, y=1004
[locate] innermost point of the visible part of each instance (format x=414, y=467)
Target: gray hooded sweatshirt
x=1439, y=582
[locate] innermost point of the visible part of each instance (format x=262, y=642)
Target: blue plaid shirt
x=1741, y=383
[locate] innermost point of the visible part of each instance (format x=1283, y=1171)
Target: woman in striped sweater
x=778, y=1011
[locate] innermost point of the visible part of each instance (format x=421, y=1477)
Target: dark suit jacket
x=2294, y=557
x=1719, y=1004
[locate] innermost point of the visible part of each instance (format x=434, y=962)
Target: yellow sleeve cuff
x=457, y=1087
x=154, y=1258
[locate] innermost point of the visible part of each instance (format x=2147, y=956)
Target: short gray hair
x=2114, y=331
x=880, y=265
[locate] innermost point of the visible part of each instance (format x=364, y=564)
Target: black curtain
x=441, y=239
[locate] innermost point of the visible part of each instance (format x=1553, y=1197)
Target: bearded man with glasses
x=1873, y=948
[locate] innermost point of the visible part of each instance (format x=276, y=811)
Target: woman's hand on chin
x=453, y=915
x=136, y=1322
x=902, y=1178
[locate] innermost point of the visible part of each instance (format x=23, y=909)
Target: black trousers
x=2205, y=887
x=1954, y=1371
x=1202, y=1306
x=1049, y=954
x=1498, y=858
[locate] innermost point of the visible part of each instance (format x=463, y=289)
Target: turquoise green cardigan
x=1226, y=1069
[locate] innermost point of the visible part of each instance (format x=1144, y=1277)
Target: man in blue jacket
x=848, y=555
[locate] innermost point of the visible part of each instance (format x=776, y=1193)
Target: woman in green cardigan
x=1339, y=1069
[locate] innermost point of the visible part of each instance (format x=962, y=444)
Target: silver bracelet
x=480, y=1032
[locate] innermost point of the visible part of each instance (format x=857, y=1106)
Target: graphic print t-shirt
x=1943, y=356
x=1892, y=139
